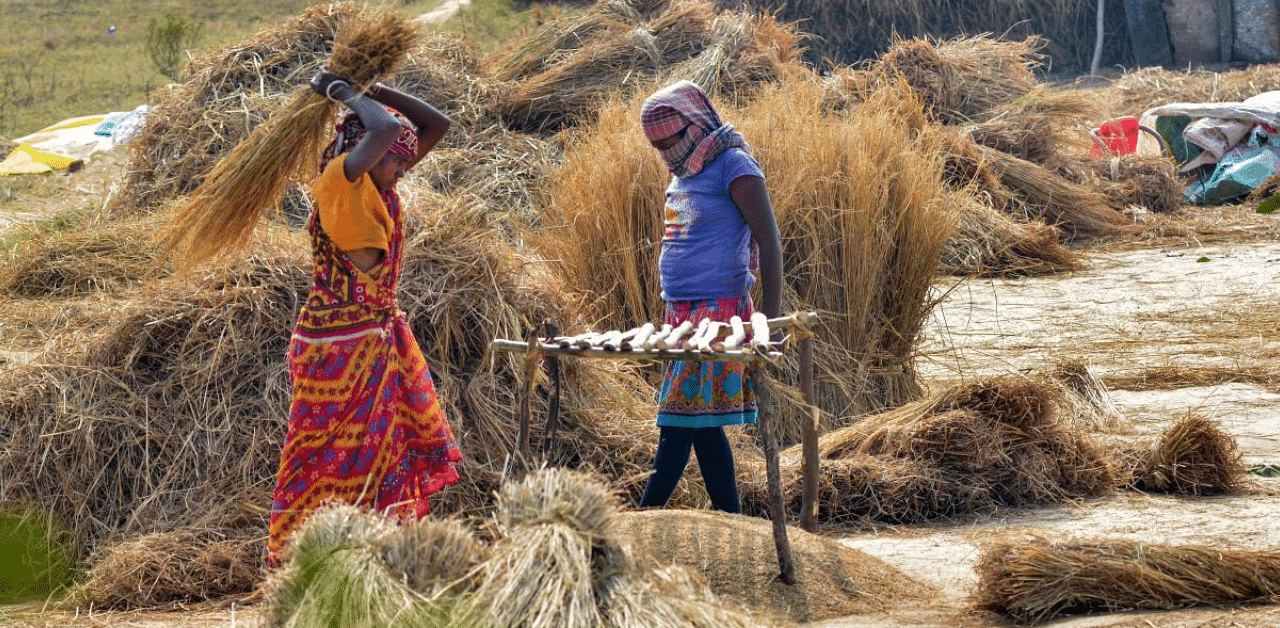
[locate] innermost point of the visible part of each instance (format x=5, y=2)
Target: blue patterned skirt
x=706, y=393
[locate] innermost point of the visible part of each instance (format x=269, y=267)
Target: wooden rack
x=738, y=340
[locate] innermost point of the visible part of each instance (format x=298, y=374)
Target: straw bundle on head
x=1032, y=579
x=174, y=567
x=990, y=243
x=735, y=555
x=231, y=91
x=222, y=213
x=1193, y=457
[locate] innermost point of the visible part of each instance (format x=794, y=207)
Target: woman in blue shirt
x=719, y=231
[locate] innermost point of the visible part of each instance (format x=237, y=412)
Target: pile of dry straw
x=849, y=31
x=1034, y=579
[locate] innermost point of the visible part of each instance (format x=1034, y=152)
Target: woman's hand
x=330, y=85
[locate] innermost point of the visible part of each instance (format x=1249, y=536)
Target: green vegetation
x=37, y=559
x=58, y=58
x=168, y=42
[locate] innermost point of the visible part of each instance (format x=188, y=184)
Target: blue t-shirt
x=706, y=243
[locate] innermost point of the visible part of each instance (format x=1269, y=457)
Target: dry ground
x=1183, y=320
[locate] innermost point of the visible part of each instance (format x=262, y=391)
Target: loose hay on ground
x=1033, y=579
x=175, y=567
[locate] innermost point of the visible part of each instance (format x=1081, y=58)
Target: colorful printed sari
x=365, y=426
x=706, y=393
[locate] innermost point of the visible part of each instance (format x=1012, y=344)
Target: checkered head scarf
x=351, y=129
x=684, y=107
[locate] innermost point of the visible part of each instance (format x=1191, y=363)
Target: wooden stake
x=777, y=512
x=530, y=370
x=808, y=438
x=553, y=407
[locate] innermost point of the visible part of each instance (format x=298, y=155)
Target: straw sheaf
x=1149, y=184
x=990, y=243
x=175, y=567
x=1145, y=88
x=1032, y=579
x=576, y=500
x=230, y=92
x=220, y=216
x=1193, y=457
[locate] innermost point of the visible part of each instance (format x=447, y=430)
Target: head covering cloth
x=683, y=108
x=351, y=130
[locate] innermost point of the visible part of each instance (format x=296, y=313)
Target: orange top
x=351, y=214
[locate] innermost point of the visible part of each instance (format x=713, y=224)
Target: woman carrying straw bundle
x=365, y=426
x=719, y=229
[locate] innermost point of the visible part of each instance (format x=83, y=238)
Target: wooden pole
x=777, y=511
x=526, y=395
x=808, y=438
x=553, y=406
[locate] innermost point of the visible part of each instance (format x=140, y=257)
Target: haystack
x=1193, y=457
x=994, y=442
x=569, y=67
x=990, y=243
x=736, y=556
x=94, y=257
x=175, y=567
x=865, y=182
x=965, y=78
x=1033, y=579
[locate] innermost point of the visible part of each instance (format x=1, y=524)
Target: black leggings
x=715, y=459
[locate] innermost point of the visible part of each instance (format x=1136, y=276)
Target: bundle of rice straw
x=232, y=91
x=1193, y=457
x=964, y=78
x=734, y=555
x=566, y=70
x=221, y=214
x=175, y=567
x=1040, y=193
x=989, y=243
x=1129, y=182
x=1145, y=88
x=336, y=573
x=561, y=562
x=1033, y=579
